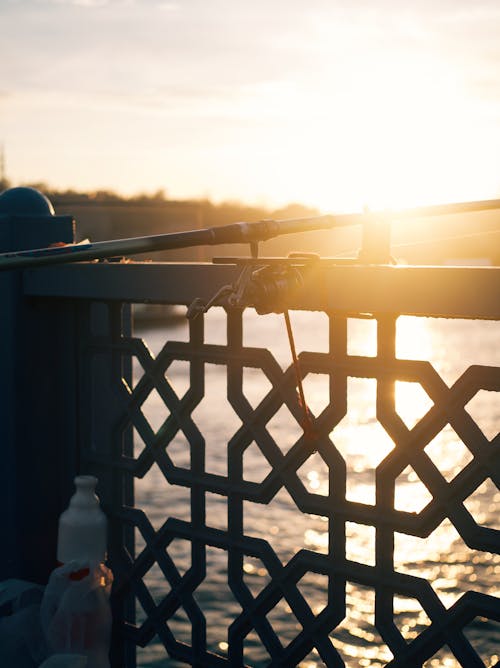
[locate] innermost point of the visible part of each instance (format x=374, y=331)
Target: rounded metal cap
x=24, y=201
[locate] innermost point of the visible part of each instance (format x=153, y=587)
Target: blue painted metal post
x=38, y=433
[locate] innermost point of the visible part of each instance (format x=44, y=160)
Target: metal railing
x=81, y=382
x=111, y=410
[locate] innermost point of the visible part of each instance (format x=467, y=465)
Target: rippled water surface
x=443, y=558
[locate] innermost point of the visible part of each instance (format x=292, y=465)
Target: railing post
x=38, y=435
x=376, y=241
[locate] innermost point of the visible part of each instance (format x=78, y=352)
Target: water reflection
x=442, y=558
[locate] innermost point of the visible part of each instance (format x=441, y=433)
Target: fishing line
x=458, y=237
x=353, y=252
x=307, y=424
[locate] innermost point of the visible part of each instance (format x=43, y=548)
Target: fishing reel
x=269, y=285
x=266, y=284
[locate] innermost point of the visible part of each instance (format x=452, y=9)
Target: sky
x=335, y=104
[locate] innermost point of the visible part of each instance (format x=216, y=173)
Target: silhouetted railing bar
x=452, y=292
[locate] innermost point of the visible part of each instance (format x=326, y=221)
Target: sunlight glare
x=412, y=402
x=388, y=136
x=414, y=338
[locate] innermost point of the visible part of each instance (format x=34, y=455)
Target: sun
x=401, y=132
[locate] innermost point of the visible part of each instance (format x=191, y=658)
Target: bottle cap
x=83, y=526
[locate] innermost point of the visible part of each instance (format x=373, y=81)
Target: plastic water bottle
x=83, y=526
x=75, y=611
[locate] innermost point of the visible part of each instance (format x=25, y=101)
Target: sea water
x=443, y=558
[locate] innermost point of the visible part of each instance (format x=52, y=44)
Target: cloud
x=156, y=47
x=146, y=47
x=236, y=58
x=199, y=78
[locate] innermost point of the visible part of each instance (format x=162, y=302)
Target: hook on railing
x=232, y=295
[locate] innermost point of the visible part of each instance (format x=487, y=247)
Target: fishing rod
x=234, y=233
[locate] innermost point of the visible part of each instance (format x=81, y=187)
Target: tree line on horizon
x=210, y=209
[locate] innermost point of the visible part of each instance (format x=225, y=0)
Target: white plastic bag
x=21, y=640
x=75, y=613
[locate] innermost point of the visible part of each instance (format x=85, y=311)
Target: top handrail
x=233, y=233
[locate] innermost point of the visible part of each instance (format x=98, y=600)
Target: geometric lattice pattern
x=303, y=604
